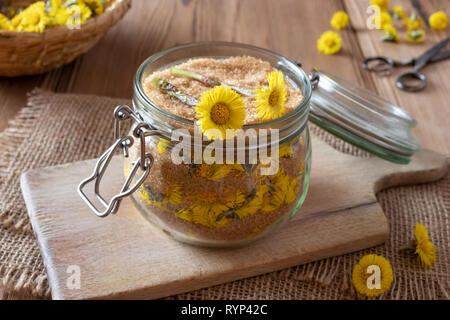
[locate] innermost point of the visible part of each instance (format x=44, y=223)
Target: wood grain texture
x=124, y=256
x=430, y=106
x=290, y=27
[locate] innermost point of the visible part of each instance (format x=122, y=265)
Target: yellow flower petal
x=438, y=20
x=415, y=36
x=339, y=20
x=425, y=249
x=390, y=34
x=173, y=194
x=398, y=12
x=270, y=101
x=364, y=279
x=382, y=4
x=413, y=22
x=162, y=145
x=382, y=20
x=329, y=42
x=221, y=109
x=31, y=19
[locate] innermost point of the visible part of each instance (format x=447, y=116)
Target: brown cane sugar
x=244, y=72
x=216, y=203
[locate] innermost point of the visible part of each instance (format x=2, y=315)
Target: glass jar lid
x=362, y=118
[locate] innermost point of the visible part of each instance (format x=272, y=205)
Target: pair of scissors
x=384, y=65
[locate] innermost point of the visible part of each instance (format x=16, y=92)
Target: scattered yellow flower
x=415, y=36
x=438, y=20
x=413, y=22
x=421, y=246
x=365, y=275
x=382, y=20
x=424, y=247
x=270, y=100
x=32, y=19
x=339, y=20
x=222, y=109
x=329, y=42
x=382, y=4
x=390, y=34
x=398, y=12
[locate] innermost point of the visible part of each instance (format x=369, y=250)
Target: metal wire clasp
x=144, y=162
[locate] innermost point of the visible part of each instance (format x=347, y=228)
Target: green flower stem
x=209, y=81
x=173, y=91
x=409, y=248
x=195, y=76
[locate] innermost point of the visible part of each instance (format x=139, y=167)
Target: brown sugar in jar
x=219, y=204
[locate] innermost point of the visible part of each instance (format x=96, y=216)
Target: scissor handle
x=378, y=64
x=419, y=78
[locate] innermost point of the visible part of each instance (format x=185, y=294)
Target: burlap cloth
x=59, y=128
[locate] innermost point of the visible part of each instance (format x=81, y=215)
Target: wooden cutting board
x=124, y=256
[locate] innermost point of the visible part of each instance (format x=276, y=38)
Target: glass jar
x=230, y=204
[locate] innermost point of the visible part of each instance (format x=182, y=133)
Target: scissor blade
x=440, y=56
x=418, y=7
x=429, y=54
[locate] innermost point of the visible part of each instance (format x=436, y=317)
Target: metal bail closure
x=144, y=163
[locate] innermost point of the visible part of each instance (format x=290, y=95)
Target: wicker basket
x=27, y=53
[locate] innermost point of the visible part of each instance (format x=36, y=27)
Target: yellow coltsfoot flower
x=97, y=6
x=421, y=246
x=270, y=100
x=79, y=13
x=398, y=13
x=208, y=211
x=339, y=20
x=32, y=19
x=329, y=42
x=214, y=172
x=390, y=34
x=184, y=214
x=412, y=22
x=173, y=194
x=438, y=20
x=382, y=4
x=220, y=109
x=70, y=13
x=425, y=249
x=415, y=36
x=382, y=20
x=4, y=22
x=372, y=275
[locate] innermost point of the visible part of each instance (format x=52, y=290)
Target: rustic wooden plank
x=289, y=27
x=430, y=106
x=124, y=256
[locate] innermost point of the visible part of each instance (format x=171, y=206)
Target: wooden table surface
x=289, y=27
